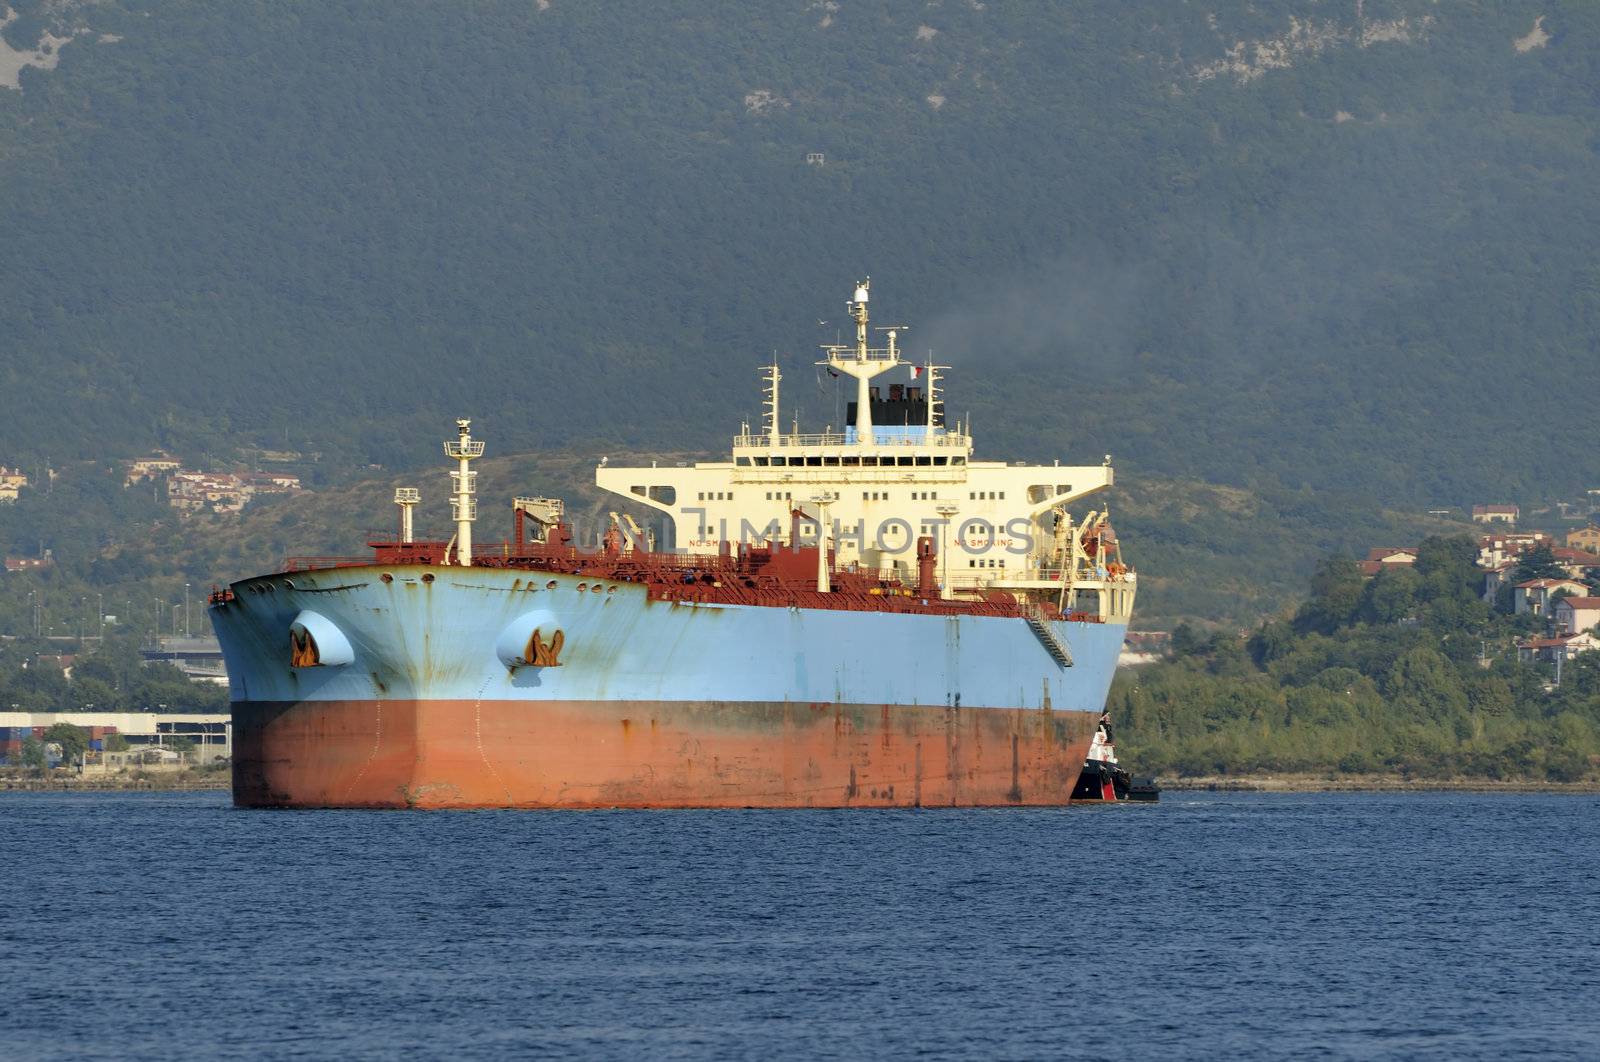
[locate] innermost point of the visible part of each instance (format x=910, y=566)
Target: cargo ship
x=865, y=617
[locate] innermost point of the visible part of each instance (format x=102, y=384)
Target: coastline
x=197, y=781
x=184, y=781
x=1368, y=783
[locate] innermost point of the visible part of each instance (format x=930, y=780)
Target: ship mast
x=773, y=376
x=862, y=362
x=406, y=498
x=464, y=507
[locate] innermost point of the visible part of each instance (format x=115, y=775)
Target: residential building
x=1575, y=614
x=1491, y=514
x=1144, y=647
x=12, y=481
x=1502, y=546
x=1535, y=595
x=1577, y=563
x=1585, y=538
x=224, y=492
x=1387, y=557
x=30, y=564
x=1496, y=577
x=152, y=467
x=1565, y=646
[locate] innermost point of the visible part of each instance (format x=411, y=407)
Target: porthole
x=551, y=585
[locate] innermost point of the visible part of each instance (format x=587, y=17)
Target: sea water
x=1211, y=925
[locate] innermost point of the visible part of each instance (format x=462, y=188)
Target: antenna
x=772, y=377
x=464, y=507
x=862, y=362
x=406, y=498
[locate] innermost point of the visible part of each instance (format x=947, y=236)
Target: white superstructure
x=896, y=473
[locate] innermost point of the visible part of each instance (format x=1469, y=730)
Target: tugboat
x=1105, y=779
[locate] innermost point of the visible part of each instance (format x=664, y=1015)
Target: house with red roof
x=1387, y=557
x=1565, y=646
x=1492, y=514
x=1498, y=548
x=1575, y=614
x=1534, y=595
x=1578, y=563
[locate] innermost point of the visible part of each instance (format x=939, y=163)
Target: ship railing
x=759, y=440
x=309, y=564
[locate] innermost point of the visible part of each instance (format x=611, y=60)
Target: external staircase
x=1053, y=642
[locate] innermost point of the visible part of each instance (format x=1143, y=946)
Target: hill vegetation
x=1408, y=674
x=1334, y=246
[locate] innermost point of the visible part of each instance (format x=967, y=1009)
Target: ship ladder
x=1052, y=641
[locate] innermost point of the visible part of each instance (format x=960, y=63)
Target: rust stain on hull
x=600, y=754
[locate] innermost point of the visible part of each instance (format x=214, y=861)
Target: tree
x=1538, y=563
x=32, y=752
x=1335, y=594
x=1448, y=567
x=74, y=740
x=1391, y=596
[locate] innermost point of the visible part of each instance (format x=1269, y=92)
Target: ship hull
x=651, y=754
x=420, y=696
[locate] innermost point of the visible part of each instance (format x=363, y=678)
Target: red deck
x=772, y=575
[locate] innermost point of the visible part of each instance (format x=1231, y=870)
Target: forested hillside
x=1407, y=675
x=1298, y=246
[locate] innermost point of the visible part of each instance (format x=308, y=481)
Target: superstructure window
x=834, y=461
x=923, y=459
x=941, y=460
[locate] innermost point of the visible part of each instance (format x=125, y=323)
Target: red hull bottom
x=657, y=754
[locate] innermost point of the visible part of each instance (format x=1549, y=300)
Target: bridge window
x=830, y=461
x=924, y=459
